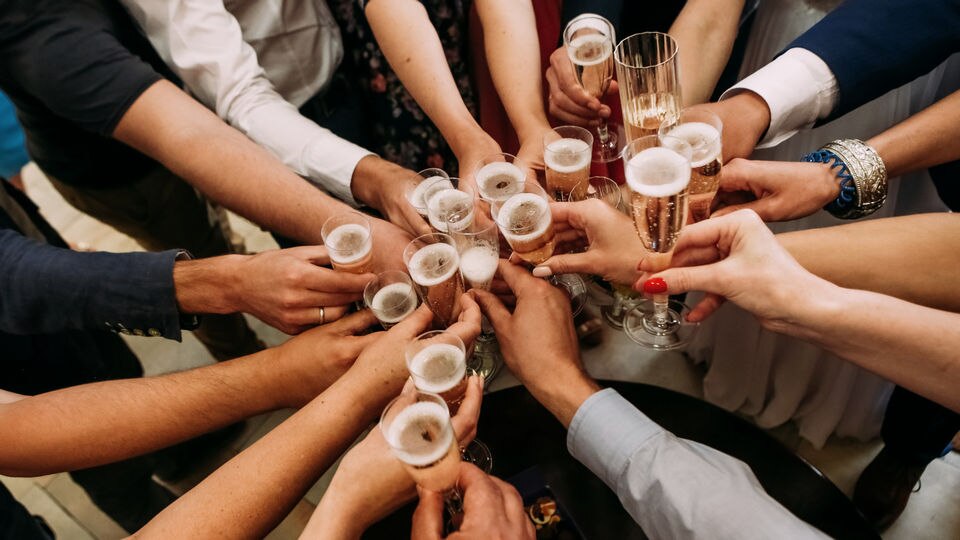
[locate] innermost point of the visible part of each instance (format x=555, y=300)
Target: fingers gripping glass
x=658, y=177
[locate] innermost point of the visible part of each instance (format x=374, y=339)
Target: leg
x=915, y=432
x=161, y=211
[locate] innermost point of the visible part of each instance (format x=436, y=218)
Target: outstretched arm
x=705, y=31
x=250, y=494
x=65, y=429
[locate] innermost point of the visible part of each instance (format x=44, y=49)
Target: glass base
x=641, y=326
x=576, y=289
x=486, y=360
x=478, y=454
x=615, y=313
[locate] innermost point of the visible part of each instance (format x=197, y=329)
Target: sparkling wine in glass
x=649, y=82
x=391, y=296
x=349, y=242
x=416, y=426
x=428, y=181
x=499, y=176
x=590, y=40
x=452, y=207
x=525, y=221
x=433, y=263
x=703, y=131
x=658, y=176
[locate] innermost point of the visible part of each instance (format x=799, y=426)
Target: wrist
x=469, y=140
x=750, y=112
x=371, y=178
x=207, y=285
x=563, y=391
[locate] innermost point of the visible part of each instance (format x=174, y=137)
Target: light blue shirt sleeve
x=672, y=487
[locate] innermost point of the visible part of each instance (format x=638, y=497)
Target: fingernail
x=542, y=271
x=655, y=286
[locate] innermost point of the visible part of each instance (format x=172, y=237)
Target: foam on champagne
x=524, y=217
x=419, y=195
x=590, y=49
x=438, y=368
x=350, y=241
x=658, y=172
x=703, y=138
x=448, y=207
x=433, y=264
x=499, y=180
x=420, y=434
x=394, y=302
x=478, y=265
x=567, y=155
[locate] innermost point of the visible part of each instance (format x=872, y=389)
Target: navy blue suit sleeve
x=874, y=46
x=45, y=289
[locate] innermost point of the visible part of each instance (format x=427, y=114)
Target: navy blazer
x=47, y=288
x=874, y=46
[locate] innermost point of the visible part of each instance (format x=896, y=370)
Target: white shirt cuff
x=799, y=89
x=329, y=163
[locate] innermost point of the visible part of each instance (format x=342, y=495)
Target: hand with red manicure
x=735, y=257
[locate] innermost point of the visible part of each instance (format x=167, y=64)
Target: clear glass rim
x=618, y=50
x=417, y=399
x=375, y=285
x=408, y=349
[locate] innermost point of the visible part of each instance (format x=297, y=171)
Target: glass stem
x=603, y=133
x=453, y=499
x=661, y=307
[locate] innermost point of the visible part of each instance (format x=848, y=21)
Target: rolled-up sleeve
x=672, y=487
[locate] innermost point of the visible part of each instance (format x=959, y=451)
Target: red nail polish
x=655, y=286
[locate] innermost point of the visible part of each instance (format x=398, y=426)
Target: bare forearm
x=249, y=495
x=413, y=49
x=513, y=55
x=223, y=164
x=206, y=285
x=911, y=345
x=869, y=255
x=928, y=138
x=66, y=429
x=705, y=31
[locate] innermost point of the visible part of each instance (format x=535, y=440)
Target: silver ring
x=323, y=315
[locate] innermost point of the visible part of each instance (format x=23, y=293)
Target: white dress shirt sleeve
x=799, y=89
x=674, y=488
x=203, y=44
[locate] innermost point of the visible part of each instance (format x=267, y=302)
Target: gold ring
x=323, y=316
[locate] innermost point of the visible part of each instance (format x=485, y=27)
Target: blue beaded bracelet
x=848, y=189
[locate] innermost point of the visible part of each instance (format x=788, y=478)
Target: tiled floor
x=933, y=513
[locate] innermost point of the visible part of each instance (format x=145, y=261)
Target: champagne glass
x=437, y=364
x=433, y=263
x=658, y=176
x=703, y=131
x=649, y=82
x=589, y=40
x=479, y=248
x=451, y=206
x=499, y=176
x=349, y=242
x=391, y=297
x=416, y=426
x=567, y=153
x=429, y=181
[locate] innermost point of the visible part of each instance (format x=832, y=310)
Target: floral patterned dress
x=402, y=133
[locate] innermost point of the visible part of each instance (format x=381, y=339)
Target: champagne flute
x=437, y=364
x=658, y=176
x=703, y=131
x=589, y=40
x=479, y=248
x=429, y=181
x=499, y=176
x=649, y=82
x=391, y=297
x=349, y=242
x=451, y=206
x=433, y=263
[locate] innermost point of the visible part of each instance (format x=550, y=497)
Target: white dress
x=771, y=377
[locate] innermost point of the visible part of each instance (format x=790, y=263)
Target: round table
x=522, y=434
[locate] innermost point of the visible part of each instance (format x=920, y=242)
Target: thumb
x=569, y=263
x=428, y=517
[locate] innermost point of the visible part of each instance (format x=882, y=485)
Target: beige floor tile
x=64, y=526
x=934, y=511
x=841, y=460
x=72, y=498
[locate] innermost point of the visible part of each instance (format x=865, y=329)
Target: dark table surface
x=522, y=434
